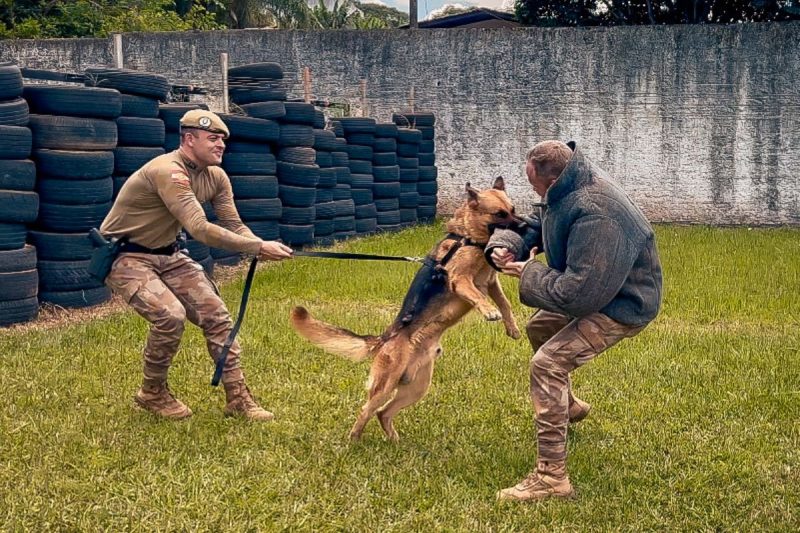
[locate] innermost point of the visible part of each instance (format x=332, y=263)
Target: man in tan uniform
x=164, y=285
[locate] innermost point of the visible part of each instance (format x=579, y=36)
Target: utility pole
x=412, y=14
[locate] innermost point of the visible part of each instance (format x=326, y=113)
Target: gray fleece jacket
x=601, y=250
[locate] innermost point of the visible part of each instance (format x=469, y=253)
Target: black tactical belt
x=132, y=247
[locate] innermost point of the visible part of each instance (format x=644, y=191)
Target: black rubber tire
x=327, y=178
x=81, y=165
x=18, y=206
x=73, y=133
x=325, y=210
x=340, y=159
x=10, y=82
x=411, y=120
x=408, y=215
x=359, y=166
x=427, y=187
x=337, y=128
x=244, y=164
x=407, y=150
x=407, y=162
x=356, y=151
x=138, y=106
x=265, y=229
x=345, y=208
x=408, y=186
x=129, y=159
x=427, y=199
x=325, y=140
x=171, y=114
x=197, y=250
x=76, y=299
x=73, y=101
x=324, y=195
x=386, y=190
x=293, y=234
x=408, y=200
x=388, y=217
x=228, y=260
x=366, y=211
x=18, y=311
x=298, y=113
x=71, y=218
x=409, y=174
x=386, y=174
x=61, y=246
x=324, y=159
x=319, y=120
x=14, y=112
x=296, y=135
x=129, y=81
x=66, y=276
x=74, y=192
x=427, y=147
x=17, y=260
x=19, y=285
x=246, y=187
x=298, y=175
x=387, y=204
x=235, y=147
x=360, y=139
x=12, y=236
x=15, y=142
x=385, y=145
x=266, y=70
x=272, y=110
x=292, y=196
x=408, y=136
x=428, y=173
x=323, y=228
x=427, y=160
x=252, y=129
x=17, y=175
x=259, y=209
x=299, y=155
x=208, y=265
x=343, y=176
x=172, y=141
x=366, y=225
x=137, y=131
x=342, y=191
x=342, y=224
x=357, y=124
x=384, y=159
x=386, y=131
x=426, y=213
x=427, y=132
x=362, y=196
x=362, y=181
x=251, y=95
x=298, y=215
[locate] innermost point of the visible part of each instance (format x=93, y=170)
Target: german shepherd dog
x=455, y=277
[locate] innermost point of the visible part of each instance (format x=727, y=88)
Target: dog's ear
x=473, y=195
x=499, y=183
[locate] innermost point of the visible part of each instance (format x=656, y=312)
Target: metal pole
x=118, y=50
x=412, y=15
x=364, y=98
x=223, y=61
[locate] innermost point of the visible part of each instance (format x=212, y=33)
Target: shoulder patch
x=178, y=176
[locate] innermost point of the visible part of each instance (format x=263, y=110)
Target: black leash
x=232, y=335
x=363, y=257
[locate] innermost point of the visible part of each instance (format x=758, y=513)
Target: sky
x=428, y=8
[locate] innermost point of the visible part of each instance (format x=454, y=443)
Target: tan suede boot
x=157, y=398
x=578, y=410
x=548, y=480
x=241, y=403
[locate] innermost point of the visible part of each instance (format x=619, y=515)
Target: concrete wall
x=699, y=123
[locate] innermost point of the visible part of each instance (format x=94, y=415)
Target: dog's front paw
x=492, y=315
x=513, y=331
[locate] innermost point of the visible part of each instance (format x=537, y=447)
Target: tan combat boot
x=241, y=403
x=548, y=480
x=158, y=399
x=578, y=410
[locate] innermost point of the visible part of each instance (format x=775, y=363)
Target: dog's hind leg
x=407, y=394
x=368, y=410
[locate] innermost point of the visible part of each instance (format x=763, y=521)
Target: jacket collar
x=576, y=174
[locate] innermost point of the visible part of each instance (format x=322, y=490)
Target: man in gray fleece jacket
x=601, y=284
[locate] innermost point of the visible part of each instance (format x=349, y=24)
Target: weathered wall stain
x=698, y=123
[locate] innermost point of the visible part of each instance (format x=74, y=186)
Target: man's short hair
x=549, y=158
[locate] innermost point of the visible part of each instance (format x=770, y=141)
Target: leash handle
x=232, y=335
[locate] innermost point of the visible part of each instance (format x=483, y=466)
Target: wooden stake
x=411, y=99
x=307, y=84
x=118, y=50
x=223, y=62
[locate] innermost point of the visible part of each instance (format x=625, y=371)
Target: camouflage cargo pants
x=166, y=290
x=561, y=344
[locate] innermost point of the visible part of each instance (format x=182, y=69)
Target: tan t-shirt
x=165, y=195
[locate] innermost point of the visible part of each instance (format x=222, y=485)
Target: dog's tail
x=332, y=338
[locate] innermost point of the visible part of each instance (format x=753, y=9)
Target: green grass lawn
x=694, y=427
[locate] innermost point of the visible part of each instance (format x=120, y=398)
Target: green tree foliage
x=391, y=17
x=453, y=10
x=633, y=12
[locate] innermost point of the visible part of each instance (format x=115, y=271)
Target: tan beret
x=204, y=120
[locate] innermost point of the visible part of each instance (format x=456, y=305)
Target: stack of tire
x=251, y=167
x=324, y=144
x=74, y=136
x=360, y=135
x=19, y=204
x=170, y=115
x=387, y=188
x=427, y=173
x=256, y=83
x=298, y=174
x=344, y=221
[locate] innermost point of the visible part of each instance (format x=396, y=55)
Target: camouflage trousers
x=166, y=290
x=561, y=344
